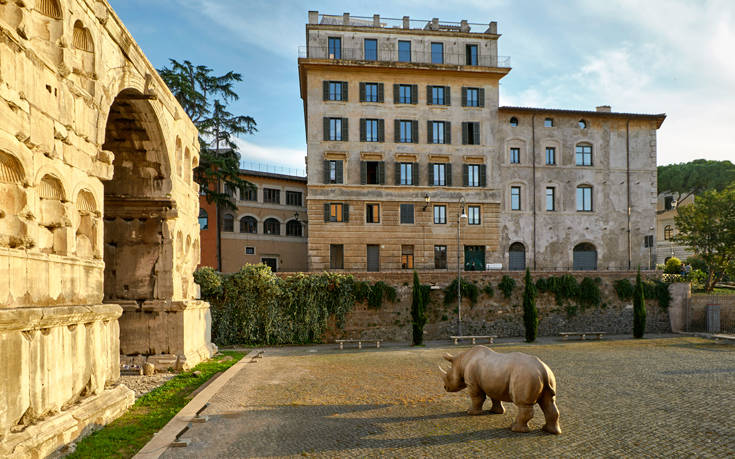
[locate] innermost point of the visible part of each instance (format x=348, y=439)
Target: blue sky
x=676, y=57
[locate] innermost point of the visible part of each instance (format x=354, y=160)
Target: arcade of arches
x=98, y=222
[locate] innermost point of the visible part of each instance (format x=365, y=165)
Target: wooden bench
x=358, y=341
x=582, y=335
x=474, y=339
x=720, y=336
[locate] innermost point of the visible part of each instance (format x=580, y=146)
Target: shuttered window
x=371, y=92
x=336, y=212
x=333, y=171
x=470, y=133
x=473, y=97
x=336, y=129
x=335, y=90
x=407, y=214
x=474, y=175
x=406, y=174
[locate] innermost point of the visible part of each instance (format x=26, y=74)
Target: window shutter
x=447, y=132
x=338, y=173
x=481, y=97
x=326, y=212
x=431, y=174
x=326, y=128
x=397, y=131
x=397, y=174
x=414, y=131
x=415, y=174
x=381, y=130
x=325, y=88
x=414, y=94
x=345, y=89
x=381, y=172
x=380, y=92
x=363, y=173
x=362, y=92
x=464, y=133
x=465, y=175
x=483, y=175
x=362, y=130
x=464, y=96
x=447, y=95
x=345, y=212
x=476, y=133
x=326, y=171
x=449, y=174
x=429, y=132
x=396, y=93
x=429, y=100
x=345, y=130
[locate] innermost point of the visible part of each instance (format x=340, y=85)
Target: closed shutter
x=447, y=132
x=431, y=174
x=380, y=92
x=517, y=260
x=362, y=92
x=585, y=260
x=464, y=96
x=338, y=174
x=397, y=173
x=397, y=131
x=429, y=133
x=464, y=133
x=381, y=172
x=381, y=130
x=476, y=133
x=326, y=212
x=326, y=171
x=325, y=90
x=481, y=97
x=345, y=130
x=345, y=212
x=447, y=95
x=414, y=94
x=429, y=100
x=373, y=258
x=345, y=88
x=483, y=175
x=362, y=130
x=414, y=131
x=363, y=173
x=396, y=93
x=415, y=174
x=465, y=175
x=449, y=173
x=326, y=128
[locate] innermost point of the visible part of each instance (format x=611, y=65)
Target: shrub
x=488, y=289
x=639, y=308
x=698, y=278
x=588, y=293
x=541, y=285
x=697, y=263
x=418, y=309
x=657, y=290
x=530, y=313
x=378, y=291
x=564, y=288
x=210, y=282
x=673, y=266
x=362, y=290
x=506, y=285
x=469, y=290
x=624, y=289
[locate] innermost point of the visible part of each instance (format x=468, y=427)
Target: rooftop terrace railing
x=403, y=23
x=393, y=55
x=272, y=168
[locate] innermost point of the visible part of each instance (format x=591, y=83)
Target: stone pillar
x=681, y=293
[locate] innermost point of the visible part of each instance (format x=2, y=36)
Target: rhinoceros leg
x=477, y=398
x=497, y=407
x=551, y=413
x=525, y=413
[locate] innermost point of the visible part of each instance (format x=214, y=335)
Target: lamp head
x=427, y=198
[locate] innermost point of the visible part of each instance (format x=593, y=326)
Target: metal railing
x=272, y=168
x=393, y=55
x=399, y=23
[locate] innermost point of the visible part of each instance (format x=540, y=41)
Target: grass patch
x=125, y=436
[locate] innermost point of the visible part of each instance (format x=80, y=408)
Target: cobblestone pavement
x=668, y=397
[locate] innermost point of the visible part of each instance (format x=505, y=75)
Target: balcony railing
x=420, y=57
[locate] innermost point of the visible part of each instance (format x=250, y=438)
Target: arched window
x=668, y=232
x=517, y=257
x=272, y=226
x=203, y=219
x=584, y=257
x=548, y=122
x=228, y=223
x=513, y=121
x=293, y=228
x=248, y=225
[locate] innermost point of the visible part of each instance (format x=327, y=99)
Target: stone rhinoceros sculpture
x=514, y=377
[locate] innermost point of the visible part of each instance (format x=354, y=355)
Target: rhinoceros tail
x=549, y=379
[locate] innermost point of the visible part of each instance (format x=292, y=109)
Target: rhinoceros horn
x=448, y=357
x=444, y=372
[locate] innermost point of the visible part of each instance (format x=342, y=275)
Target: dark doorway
x=584, y=257
x=517, y=257
x=373, y=258
x=270, y=262
x=474, y=258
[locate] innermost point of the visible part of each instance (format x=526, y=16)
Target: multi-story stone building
x=406, y=141
x=268, y=227
x=666, y=209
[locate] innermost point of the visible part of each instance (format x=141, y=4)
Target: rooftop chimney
x=346, y=18
x=492, y=27
x=406, y=22
x=463, y=26
x=376, y=20
x=313, y=17
x=603, y=108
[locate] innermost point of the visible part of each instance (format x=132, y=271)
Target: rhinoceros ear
x=448, y=357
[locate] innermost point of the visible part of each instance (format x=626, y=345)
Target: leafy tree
x=418, y=309
x=708, y=228
x=639, y=308
x=695, y=177
x=530, y=313
x=204, y=98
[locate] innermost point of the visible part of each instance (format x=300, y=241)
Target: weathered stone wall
x=697, y=311
x=494, y=315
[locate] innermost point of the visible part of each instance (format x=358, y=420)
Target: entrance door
x=271, y=262
x=474, y=258
x=584, y=257
x=373, y=258
x=517, y=257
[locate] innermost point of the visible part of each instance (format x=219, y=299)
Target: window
x=437, y=95
x=406, y=172
x=440, y=215
x=335, y=90
x=333, y=171
x=550, y=199
x=438, y=132
x=473, y=97
x=336, y=212
x=440, y=257
x=371, y=49
x=406, y=257
x=514, y=121
x=272, y=226
x=584, y=257
x=249, y=250
x=437, y=53
x=550, y=156
x=473, y=215
x=439, y=174
x=372, y=173
x=271, y=195
x=515, y=155
x=470, y=133
x=372, y=213
x=335, y=48
x=336, y=256
x=471, y=51
x=404, y=51
x=228, y=223
x=668, y=232
x=293, y=228
x=249, y=194
x=229, y=190
x=474, y=175
x=548, y=122
x=407, y=214
x=293, y=198
x=405, y=131
x=584, y=198
x=582, y=124
x=371, y=92
x=584, y=155
x=405, y=94
x=371, y=130
x=203, y=219
x=248, y=225
x=515, y=198
x=517, y=257
x=335, y=129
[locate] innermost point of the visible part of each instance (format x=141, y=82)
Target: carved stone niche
x=13, y=199
x=53, y=219
x=44, y=26
x=88, y=226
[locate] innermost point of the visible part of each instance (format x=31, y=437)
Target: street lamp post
x=460, y=216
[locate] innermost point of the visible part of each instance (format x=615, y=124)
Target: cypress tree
x=418, y=310
x=530, y=313
x=639, y=307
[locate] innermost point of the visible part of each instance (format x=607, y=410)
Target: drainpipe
x=533, y=163
x=627, y=173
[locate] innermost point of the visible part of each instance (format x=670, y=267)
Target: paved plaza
x=663, y=397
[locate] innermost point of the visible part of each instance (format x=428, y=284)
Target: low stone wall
x=697, y=313
x=495, y=315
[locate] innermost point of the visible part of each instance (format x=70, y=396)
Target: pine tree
x=639, y=307
x=530, y=313
x=418, y=310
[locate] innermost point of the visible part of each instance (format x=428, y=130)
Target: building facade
x=412, y=163
x=666, y=208
x=269, y=226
